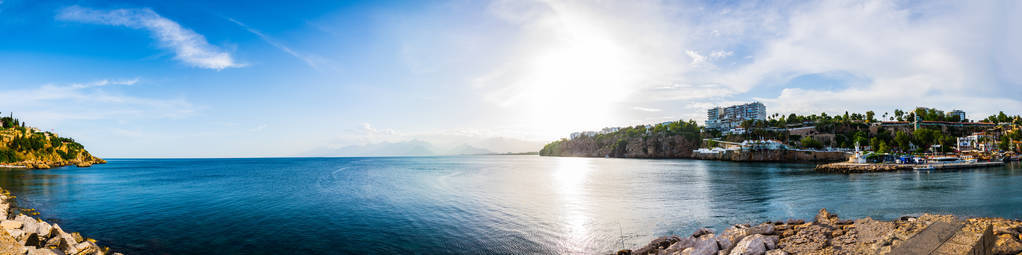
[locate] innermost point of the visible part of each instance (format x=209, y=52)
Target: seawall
x=775, y=156
x=847, y=167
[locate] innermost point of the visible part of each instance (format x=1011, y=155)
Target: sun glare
x=576, y=81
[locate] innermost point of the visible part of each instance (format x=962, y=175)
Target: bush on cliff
x=8, y=156
x=665, y=140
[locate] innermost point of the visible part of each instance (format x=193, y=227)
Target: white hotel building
x=728, y=118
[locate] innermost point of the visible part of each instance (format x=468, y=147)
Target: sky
x=264, y=79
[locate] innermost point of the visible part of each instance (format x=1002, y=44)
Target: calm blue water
x=472, y=204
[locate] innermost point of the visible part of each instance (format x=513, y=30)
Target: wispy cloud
x=645, y=109
x=89, y=101
x=188, y=46
x=101, y=83
x=311, y=60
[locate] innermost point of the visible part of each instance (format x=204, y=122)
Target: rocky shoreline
x=23, y=234
x=828, y=234
x=38, y=164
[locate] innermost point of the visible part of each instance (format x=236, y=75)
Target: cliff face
x=623, y=146
x=29, y=148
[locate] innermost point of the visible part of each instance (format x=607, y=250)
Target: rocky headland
x=666, y=140
x=828, y=234
x=24, y=147
x=23, y=234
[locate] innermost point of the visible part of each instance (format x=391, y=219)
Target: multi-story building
x=728, y=118
x=959, y=113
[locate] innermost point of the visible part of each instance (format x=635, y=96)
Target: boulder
x=8, y=245
x=45, y=230
x=756, y=244
x=824, y=217
x=86, y=248
x=656, y=245
x=735, y=233
x=16, y=233
x=11, y=224
x=29, y=239
x=43, y=251
x=55, y=241
x=681, y=245
x=701, y=232
x=704, y=246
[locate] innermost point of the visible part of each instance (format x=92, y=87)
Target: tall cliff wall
x=650, y=146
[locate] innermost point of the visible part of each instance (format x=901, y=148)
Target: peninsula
x=926, y=136
x=27, y=147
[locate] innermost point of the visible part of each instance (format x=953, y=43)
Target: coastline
x=828, y=234
x=41, y=164
x=23, y=234
x=848, y=168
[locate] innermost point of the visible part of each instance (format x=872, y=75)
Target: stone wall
x=775, y=156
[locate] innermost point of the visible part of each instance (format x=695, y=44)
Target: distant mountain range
x=416, y=147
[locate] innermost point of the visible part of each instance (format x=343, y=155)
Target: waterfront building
x=731, y=117
x=959, y=113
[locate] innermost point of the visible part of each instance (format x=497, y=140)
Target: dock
x=847, y=167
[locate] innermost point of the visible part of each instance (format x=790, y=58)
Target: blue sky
x=222, y=79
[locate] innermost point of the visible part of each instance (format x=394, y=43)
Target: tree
x=898, y=113
x=883, y=147
x=869, y=116
x=902, y=140
x=809, y=142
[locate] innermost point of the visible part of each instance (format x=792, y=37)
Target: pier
x=847, y=167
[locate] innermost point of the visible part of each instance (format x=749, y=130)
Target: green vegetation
x=814, y=131
x=20, y=143
x=8, y=156
x=616, y=143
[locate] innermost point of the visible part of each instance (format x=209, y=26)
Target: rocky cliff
x=26, y=147
x=673, y=140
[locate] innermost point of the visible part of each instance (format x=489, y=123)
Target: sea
x=469, y=204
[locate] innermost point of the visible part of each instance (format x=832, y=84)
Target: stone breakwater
x=828, y=234
x=23, y=234
x=774, y=156
x=848, y=168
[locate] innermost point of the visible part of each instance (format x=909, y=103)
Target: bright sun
x=575, y=82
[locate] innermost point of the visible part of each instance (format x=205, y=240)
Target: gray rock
x=752, y=245
x=776, y=252
x=45, y=230
x=735, y=233
x=705, y=246
x=655, y=246
x=702, y=231
x=681, y=245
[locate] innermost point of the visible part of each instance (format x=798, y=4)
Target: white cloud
x=48, y=104
x=645, y=109
x=311, y=60
x=188, y=46
x=948, y=55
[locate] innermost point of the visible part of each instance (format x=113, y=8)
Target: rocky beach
x=828, y=234
x=23, y=234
